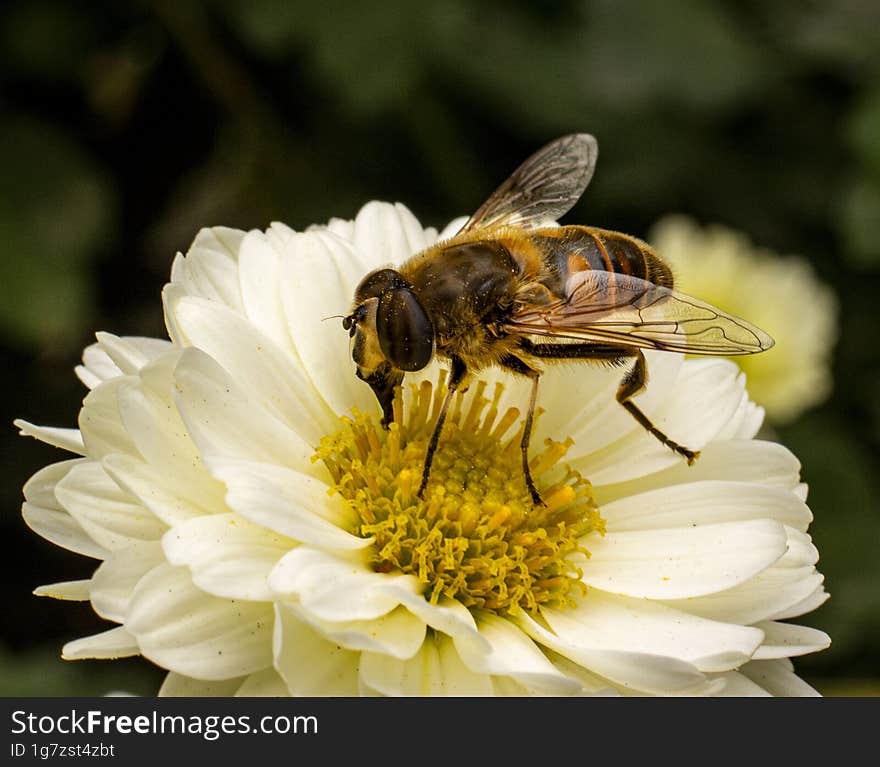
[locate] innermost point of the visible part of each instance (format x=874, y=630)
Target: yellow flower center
x=476, y=536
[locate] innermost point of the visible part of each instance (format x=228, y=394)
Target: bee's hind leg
x=635, y=382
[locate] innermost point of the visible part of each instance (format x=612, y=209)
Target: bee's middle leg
x=633, y=383
x=516, y=365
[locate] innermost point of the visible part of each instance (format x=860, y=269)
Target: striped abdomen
x=569, y=249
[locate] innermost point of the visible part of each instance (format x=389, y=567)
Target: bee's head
x=391, y=333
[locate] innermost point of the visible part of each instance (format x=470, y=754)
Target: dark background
x=127, y=126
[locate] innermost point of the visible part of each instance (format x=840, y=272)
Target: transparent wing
x=544, y=187
x=619, y=309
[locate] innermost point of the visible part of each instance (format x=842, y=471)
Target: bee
x=513, y=289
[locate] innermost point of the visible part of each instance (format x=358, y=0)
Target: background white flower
x=224, y=560
x=782, y=295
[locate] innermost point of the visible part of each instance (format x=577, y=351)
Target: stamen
x=476, y=537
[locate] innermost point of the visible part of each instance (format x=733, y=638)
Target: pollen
x=476, y=536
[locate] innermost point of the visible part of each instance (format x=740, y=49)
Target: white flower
x=202, y=490
x=780, y=295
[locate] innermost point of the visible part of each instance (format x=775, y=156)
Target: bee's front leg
x=457, y=373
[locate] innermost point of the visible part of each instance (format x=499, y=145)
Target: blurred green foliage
x=40, y=671
x=46, y=255
x=125, y=127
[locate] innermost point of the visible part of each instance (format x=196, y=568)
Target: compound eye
x=406, y=335
x=378, y=282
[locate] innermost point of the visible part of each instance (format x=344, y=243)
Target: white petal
x=129, y=354
x=223, y=420
x=97, y=366
x=115, y=643
x=335, y=589
x=74, y=591
x=227, y=555
x=113, y=583
x=398, y=634
x=109, y=515
x=682, y=562
x=767, y=463
x=801, y=550
x=264, y=684
x=448, y=616
x=783, y=640
x=66, y=439
x=180, y=686
x=113, y=356
x=322, y=345
x=738, y=686
x=709, y=393
x=591, y=685
x=63, y=530
x=341, y=227
x=641, y=672
x=148, y=485
x=706, y=502
x=186, y=630
x=161, y=438
x=505, y=687
x=417, y=676
x=293, y=504
x=279, y=234
x=309, y=664
x=607, y=622
x=455, y=678
x=513, y=654
x=269, y=374
x=760, y=598
x=436, y=670
x=815, y=599
x=89, y=379
x=259, y=274
x=749, y=426
x=744, y=423
x=748, y=461
x=387, y=234
x=651, y=674
x=452, y=228
x=100, y=424
x=778, y=679
x=172, y=295
x=209, y=269
x=39, y=490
